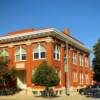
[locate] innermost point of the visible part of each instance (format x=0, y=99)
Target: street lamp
x=67, y=71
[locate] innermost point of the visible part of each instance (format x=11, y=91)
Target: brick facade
x=78, y=75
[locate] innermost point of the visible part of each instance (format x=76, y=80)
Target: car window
x=94, y=86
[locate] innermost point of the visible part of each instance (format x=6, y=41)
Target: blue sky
x=82, y=17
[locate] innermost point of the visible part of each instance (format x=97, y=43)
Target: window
x=81, y=59
x=4, y=53
x=86, y=61
x=74, y=59
x=39, y=52
x=86, y=78
x=56, y=53
x=74, y=76
x=81, y=78
x=20, y=53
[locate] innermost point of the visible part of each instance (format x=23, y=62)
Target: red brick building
x=26, y=49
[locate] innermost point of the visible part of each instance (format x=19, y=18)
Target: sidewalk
x=26, y=97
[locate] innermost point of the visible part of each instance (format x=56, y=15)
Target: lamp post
x=67, y=71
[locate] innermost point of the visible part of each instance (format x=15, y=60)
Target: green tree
x=7, y=77
x=45, y=75
x=96, y=61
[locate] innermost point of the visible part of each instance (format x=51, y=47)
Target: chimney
x=66, y=31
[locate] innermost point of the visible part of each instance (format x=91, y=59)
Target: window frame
x=56, y=53
x=4, y=53
x=75, y=76
x=20, y=54
x=81, y=60
x=74, y=58
x=39, y=52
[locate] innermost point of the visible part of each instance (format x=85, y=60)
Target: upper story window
x=4, y=53
x=86, y=61
x=57, y=53
x=39, y=52
x=74, y=76
x=81, y=59
x=74, y=58
x=20, y=53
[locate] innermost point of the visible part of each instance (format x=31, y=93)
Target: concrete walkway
x=23, y=96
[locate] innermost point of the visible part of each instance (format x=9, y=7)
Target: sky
x=82, y=17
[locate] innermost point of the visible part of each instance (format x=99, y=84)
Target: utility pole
x=67, y=71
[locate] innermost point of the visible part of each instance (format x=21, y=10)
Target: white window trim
x=57, y=51
x=74, y=76
x=81, y=60
x=4, y=52
x=20, y=55
x=74, y=58
x=81, y=78
x=39, y=52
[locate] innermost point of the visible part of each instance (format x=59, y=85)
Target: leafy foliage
x=7, y=76
x=45, y=75
x=96, y=61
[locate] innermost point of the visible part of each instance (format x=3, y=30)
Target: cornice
x=43, y=33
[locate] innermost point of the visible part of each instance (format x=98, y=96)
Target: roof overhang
x=42, y=33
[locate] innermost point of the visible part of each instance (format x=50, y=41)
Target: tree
x=96, y=61
x=45, y=75
x=7, y=78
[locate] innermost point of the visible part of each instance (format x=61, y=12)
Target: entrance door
x=21, y=80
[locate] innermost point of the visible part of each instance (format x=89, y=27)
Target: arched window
x=39, y=52
x=56, y=53
x=20, y=54
x=4, y=53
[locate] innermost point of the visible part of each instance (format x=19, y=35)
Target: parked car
x=94, y=90
x=90, y=90
x=83, y=91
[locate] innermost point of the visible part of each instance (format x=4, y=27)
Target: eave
x=42, y=33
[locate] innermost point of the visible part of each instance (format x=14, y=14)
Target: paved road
x=26, y=97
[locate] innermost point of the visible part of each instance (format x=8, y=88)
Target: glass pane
x=54, y=55
x=17, y=57
x=56, y=50
x=42, y=49
x=36, y=55
x=23, y=56
x=36, y=49
x=57, y=56
x=17, y=51
x=4, y=53
x=42, y=54
x=23, y=51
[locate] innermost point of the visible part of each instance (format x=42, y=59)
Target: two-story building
x=26, y=49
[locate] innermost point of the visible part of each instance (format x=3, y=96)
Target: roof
x=33, y=33
x=22, y=31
